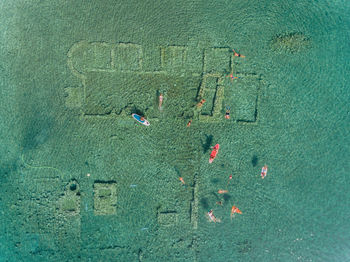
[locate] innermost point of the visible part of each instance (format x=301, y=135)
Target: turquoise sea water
x=82, y=181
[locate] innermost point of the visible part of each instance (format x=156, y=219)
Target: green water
x=82, y=181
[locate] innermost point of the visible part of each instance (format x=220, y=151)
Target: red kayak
x=213, y=153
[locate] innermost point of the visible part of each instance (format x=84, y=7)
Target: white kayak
x=138, y=119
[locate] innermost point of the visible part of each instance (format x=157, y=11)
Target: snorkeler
x=232, y=77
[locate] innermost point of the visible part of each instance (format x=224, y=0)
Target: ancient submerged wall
x=119, y=78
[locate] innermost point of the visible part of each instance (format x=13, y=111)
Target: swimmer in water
x=229, y=179
x=201, y=103
x=227, y=114
x=160, y=101
x=182, y=180
x=233, y=77
x=236, y=54
x=189, y=123
x=234, y=210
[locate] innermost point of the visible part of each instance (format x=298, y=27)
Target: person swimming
x=234, y=210
x=201, y=103
x=160, y=101
x=189, y=123
x=236, y=54
x=229, y=179
x=233, y=77
x=227, y=114
x=182, y=180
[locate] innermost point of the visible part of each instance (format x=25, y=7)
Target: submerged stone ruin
x=113, y=74
x=290, y=42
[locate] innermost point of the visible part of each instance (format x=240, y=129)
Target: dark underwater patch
x=226, y=197
x=204, y=203
x=255, y=160
x=207, y=144
x=215, y=180
x=7, y=169
x=37, y=130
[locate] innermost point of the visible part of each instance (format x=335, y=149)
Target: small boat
x=212, y=217
x=140, y=119
x=263, y=171
x=213, y=153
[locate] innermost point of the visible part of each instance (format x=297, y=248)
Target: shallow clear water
x=82, y=181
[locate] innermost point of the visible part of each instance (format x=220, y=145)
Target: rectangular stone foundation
x=213, y=92
x=105, y=198
x=127, y=57
x=209, y=94
x=93, y=56
x=167, y=218
x=217, y=60
x=109, y=93
x=181, y=59
x=242, y=97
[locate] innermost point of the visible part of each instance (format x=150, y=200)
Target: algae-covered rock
x=105, y=192
x=69, y=205
x=290, y=42
x=70, y=201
